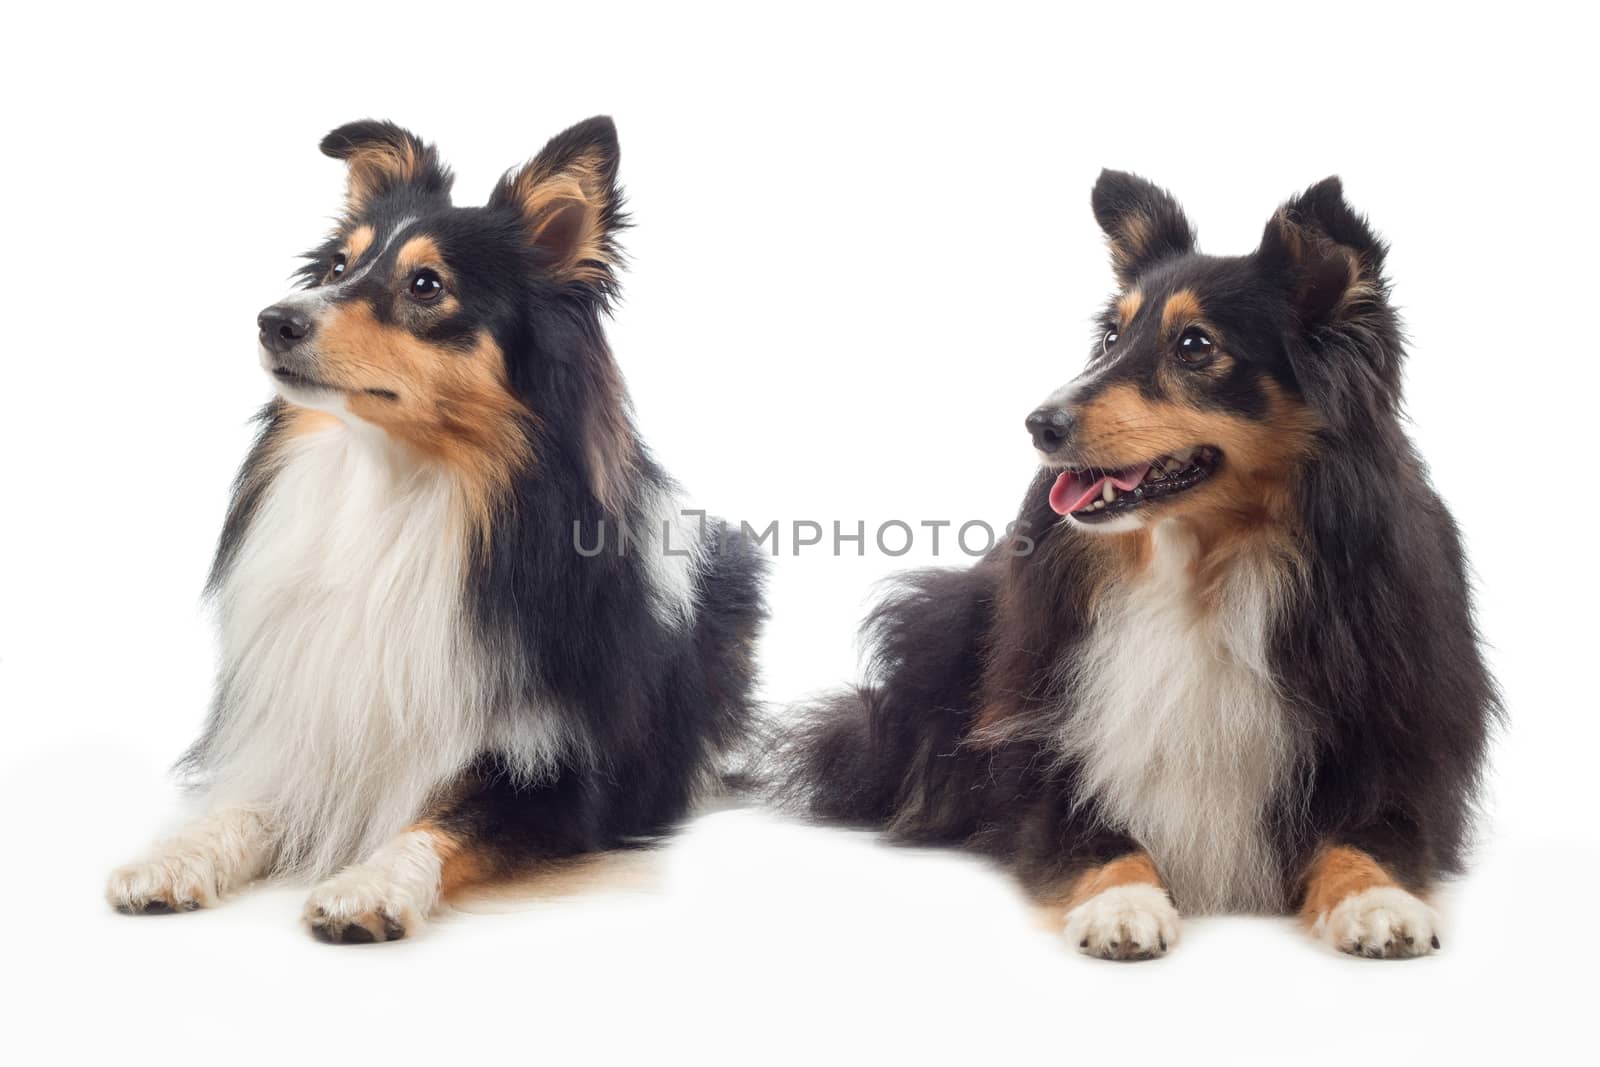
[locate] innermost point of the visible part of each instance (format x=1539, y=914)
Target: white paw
x=175, y=880
x=1385, y=922
x=1125, y=922
x=383, y=899
x=209, y=859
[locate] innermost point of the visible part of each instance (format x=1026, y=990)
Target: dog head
x=437, y=324
x=1195, y=398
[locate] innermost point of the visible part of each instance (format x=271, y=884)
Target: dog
x=468, y=625
x=1227, y=660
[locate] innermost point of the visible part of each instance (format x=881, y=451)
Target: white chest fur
x=1178, y=729
x=354, y=685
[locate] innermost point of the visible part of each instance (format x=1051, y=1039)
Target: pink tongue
x=1075, y=490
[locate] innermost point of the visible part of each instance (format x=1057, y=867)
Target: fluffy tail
x=891, y=752
x=825, y=765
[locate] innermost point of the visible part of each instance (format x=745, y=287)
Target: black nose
x=1050, y=428
x=283, y=327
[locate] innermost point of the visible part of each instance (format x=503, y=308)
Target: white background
x=863, y=252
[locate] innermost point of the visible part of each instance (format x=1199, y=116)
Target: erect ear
x=1325, y=253
x=382, y=158
x=569, y=204
x=1142, y=223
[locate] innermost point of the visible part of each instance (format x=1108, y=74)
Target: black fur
x=574, y=635
x=1376, y=653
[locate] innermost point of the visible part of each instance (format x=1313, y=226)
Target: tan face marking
x=1128, y=305
x=356, y=246
x=419, y=253
x=1181, y=309
x=1252, y=493
x=1121, y=426
x=450, y=404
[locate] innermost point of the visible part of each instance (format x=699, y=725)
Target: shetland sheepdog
x=1227, y=662
x=467, y=624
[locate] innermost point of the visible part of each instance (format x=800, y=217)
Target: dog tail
x=825, y=765
x=814, y=760
x=891, y=752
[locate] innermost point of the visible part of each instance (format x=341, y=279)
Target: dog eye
x=1195, y=348
x=335, y=270
x=1108, y=340
x=425, y=285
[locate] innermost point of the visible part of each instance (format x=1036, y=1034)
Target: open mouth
x=1095, y=495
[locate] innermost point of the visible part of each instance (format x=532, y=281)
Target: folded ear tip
x=343, y=142
x=384, y=156
x=338, y=144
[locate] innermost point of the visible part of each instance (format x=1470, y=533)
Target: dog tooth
x=1098, y=504
x=1184, y=456
x=1109, y=492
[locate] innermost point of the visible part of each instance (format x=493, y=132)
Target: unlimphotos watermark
x=693, y=532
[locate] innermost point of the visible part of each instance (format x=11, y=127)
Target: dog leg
x=1352, y=904
x=485, y=829
x=1121, y=911
x=211, y=858
x=389, y=895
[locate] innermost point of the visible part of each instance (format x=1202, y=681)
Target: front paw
x=384, y=899
x=1125, y=922
x=359, y=907
x=1384, y=922
x=182, y=881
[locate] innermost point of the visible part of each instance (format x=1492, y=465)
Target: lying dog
x=429, y=679
x=1228, y=661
